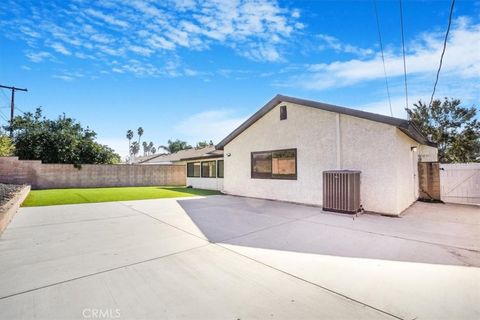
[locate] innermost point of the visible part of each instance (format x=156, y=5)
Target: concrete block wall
x=429, y=180
x=48, y=176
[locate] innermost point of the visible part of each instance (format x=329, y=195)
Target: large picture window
x=209, y=169
x=193, y=169
x=220, y=168
x=278, y=164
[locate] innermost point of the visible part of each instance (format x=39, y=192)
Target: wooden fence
x=460, y=183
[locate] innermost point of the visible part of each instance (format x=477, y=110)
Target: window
x=220, y=168
x=283, y=112
x=208, y=169
x=193, y=169
x=284, y=164
x=278, y=164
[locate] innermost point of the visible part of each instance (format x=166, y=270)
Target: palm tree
x=140, y=133
x=145, y=148
x=150, y=146
x=134, y=148
x=154, y=150
x=129, y=137
x=175, y=145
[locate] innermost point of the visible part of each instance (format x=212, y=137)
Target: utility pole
x=12, y=104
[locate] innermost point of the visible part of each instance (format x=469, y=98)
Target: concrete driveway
x=224, y=257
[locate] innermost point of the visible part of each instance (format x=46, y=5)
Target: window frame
x=193, y=164
x=255, y=175
x=214, y=171
x=218, y=169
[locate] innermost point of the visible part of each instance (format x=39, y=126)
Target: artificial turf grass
x=51, y=197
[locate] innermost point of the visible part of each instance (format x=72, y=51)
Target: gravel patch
x=8, y=191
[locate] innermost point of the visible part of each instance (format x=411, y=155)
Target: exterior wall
x=376, y=149
x=369, y=146
x=205, y=183
x=407, y=160
x=46, y=176
x=310, y=131
x=406, y=170
x=427, y=153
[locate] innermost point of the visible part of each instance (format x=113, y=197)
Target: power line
x=443, y=51
x=383, y=57
x=403, y=51
x=12, y=104
x=3, y=116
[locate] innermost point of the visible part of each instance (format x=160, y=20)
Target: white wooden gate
x=460, y=183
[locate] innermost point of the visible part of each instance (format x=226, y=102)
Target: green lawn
x=52, y=197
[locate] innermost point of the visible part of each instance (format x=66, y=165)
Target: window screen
x=220, y=168
x=209, y=169
x=193, y=169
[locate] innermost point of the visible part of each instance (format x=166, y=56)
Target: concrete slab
x=411, y=227
x=308, y=237
x=219, y=223
x=276, y=209
x=408, y=290
x=204, y=283
x=36, y=256
x=229, y=257
x=39, y=216
x=168, y=211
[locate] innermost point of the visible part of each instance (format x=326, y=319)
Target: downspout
x=339, y=143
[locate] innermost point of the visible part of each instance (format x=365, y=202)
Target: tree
x=203, y=144
x=129, y=137
x=134, y=148
x=154, y=150
x=145, y=148
x=6, y=146
x=140, y=133
x=175, y=146
x=454, y=128
x=62, y=140
x=150, y=146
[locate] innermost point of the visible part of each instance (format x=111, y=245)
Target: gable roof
x=405, y=126
x=178, y=156
x=209, y=154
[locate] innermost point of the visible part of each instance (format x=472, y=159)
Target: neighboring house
x=175, y=158
x=281, y=151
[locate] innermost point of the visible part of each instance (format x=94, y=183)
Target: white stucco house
x=281, y=151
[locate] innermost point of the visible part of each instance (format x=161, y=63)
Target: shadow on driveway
x=427, y=233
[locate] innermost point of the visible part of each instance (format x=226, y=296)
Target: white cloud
x=331, y=42
x=209, y=125
x=38, y=56
x=260, y=52
x=461, y=59
x=260, y=30
x=63, y=77
x=107, y=18
x=60, y=48
x=141, y=50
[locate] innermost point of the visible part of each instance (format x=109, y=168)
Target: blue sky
x=194, y=70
